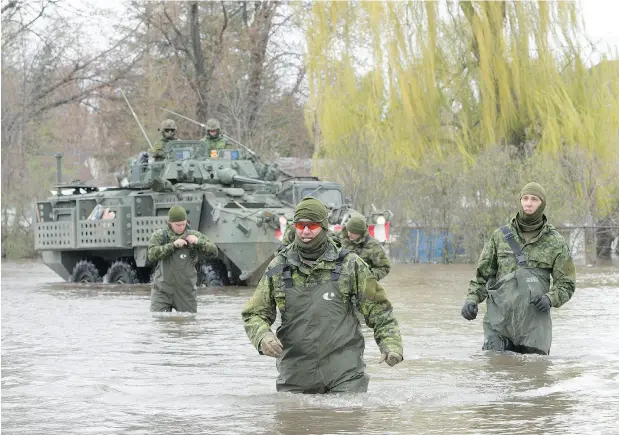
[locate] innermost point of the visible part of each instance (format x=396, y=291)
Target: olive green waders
x=512, y=322
x=321, y=337
x=174, y=283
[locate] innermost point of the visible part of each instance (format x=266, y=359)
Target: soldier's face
x=530, y=203
x=307, y=230
x=169, y=133
x=353, y=236
x=178, y=227
x=212, y=133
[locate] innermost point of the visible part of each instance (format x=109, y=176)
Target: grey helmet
x=168, y=124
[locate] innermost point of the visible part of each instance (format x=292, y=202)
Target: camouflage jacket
x=356, y=284
x=214, y=144
x=158, y=251
x=548, y=250
x=371, y=251
x=159, y=144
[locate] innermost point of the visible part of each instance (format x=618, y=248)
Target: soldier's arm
x=157, y=145
x=204, y=245
x=487, y=268
x=259, y=312
x=156, y=250
x=563, y=278
x=380, y=262
x=376, y=308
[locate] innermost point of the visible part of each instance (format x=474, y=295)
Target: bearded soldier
x=317, y=286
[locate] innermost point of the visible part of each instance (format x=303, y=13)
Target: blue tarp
x=420, y=246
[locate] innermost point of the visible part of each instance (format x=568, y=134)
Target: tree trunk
x=201, y=81
x=259, y=32
x=590, y=251
x=605, y=233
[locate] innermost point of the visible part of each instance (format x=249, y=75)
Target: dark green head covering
x=313, y=210
x=177, y=214
x=534, y=189
x=357, y=225
x=536, y=220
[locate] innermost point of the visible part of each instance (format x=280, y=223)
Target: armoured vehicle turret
x=88, y=234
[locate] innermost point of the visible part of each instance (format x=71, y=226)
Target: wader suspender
x=165, y=235
x=287, y=270
x=509, y=237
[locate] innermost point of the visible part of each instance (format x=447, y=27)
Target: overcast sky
x=602, y=22
x=601, y=19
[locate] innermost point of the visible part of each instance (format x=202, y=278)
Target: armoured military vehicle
x=87, y=234
x=340, y=208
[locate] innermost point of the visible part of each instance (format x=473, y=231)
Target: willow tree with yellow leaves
x=395, y=87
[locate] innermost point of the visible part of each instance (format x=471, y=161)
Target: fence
x=588, y=244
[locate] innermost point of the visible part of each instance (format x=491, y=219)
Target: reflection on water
x=92, y=359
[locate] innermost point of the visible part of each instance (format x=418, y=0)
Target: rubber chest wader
x=321, y=336
x=512, y=322
x=174, y=284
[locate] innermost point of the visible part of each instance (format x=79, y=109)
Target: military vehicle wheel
x=121, y=273
x=85, y=272
x=211, y=275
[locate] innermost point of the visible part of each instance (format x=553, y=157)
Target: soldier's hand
x=192, y=239
x=271, y=346
x=542, y=303
x=391, y=358
x=469, y=310
x=179, y=243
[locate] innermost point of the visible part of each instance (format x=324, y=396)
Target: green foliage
x=406, y=82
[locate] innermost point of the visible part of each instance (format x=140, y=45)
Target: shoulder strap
x=271, y=272
x=335, y=273
x=287, y=273
x=509, y=237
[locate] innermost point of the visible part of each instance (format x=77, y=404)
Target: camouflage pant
x=181, y=301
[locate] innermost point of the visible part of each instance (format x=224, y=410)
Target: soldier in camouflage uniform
x=317, y=286
x=168, y=133
x=544, y=253
x=356, y=238
x=176, y=249
x=213, y=139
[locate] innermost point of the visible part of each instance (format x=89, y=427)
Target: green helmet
x=168, y=124
x=212, y=124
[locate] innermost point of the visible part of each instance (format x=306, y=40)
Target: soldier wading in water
x=316, y=285
x=513, y=275
x=176, y=250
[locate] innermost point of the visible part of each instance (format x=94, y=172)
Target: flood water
x=79, y=359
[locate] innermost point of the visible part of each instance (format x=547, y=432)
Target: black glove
x=469, y=310
x=542, y=302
